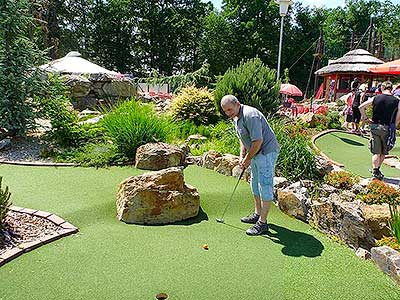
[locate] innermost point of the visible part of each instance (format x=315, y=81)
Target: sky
x=326, y=3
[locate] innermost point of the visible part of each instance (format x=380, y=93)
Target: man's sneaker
x=251, y=219
x=257, y=229
x=377, y=174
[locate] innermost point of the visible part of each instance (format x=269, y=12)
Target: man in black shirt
x=385, y=110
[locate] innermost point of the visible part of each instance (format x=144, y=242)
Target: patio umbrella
x=389, y=68
x=290, y=89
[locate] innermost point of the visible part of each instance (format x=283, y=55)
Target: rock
x=324, y=167
x=388, y=260
x=347, y=196
x=195, y=138
x=377, y=217
x=194, y=160
x=326, y=190
x=157, y=198
x=157, y=156
x=292, y=204
x=119, y=88
x=88, y=112
x=237, y=170
x=209, y=159
x=93, y=120
x=344, y=220
x=363, y=253
x=5, y=144
x=280, y=182
x=79, y=85
x=358, y=188
x=225, y=164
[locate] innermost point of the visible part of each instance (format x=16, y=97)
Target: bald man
x=258, y=149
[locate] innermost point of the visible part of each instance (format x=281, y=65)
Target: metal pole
x=278, y=73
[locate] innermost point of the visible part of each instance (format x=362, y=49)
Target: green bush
x=341, y=179
x=253, y=83
x=296, y=159
x=132, y=124
x=196, y=105
x=185, y=128
x=223, y=139
x=20, y=79
x=93, y=155
x=379, y=193
x=333, y=120
x=4, y=203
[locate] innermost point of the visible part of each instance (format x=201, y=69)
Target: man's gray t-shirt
x=252, y=126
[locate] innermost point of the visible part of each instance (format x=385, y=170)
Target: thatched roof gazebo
x=340, y=72
x=73, y=63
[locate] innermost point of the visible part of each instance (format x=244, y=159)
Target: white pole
x=278, y=73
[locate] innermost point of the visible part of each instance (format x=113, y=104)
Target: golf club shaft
x=230, y=199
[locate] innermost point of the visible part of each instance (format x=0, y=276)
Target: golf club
x=221, y=220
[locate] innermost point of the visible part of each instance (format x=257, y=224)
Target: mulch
x=22, y=227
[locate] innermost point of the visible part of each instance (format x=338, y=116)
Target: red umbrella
x=290, y=89
x=389, y=68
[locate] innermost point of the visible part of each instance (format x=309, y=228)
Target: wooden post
x=336, y=86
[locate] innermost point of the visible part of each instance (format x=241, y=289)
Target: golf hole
x=161, y=296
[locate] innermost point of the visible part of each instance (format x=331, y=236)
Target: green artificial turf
x=352, y=151
x=109, y=259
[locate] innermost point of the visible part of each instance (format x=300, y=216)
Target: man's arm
x=363, y=106
x=255, y=147
x=243, y=151
x=398, y=115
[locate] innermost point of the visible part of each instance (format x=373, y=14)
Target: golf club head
x=219, y=220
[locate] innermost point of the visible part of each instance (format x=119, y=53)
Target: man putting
x=258, y=149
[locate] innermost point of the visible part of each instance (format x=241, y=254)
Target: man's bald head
x=230, y=105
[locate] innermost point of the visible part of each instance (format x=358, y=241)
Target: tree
x=19, y=75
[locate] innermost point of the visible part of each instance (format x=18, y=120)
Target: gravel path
x=25, y=149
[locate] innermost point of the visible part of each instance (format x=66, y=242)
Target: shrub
x=223, y=139
x=333, y=120
x=296, y=159
x=93, y=155
x=185, y=128
x=20, y=78
x=132, y=124
x=341, y=179
x=253, y=83
x=196, y=105
x=4, y=203
x=379, y=193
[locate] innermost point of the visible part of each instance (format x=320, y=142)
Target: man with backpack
x=385, y=119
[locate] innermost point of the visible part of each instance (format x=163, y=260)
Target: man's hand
x=244, y=163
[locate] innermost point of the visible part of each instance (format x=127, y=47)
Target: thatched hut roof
x=353, y=62
x=73, y=63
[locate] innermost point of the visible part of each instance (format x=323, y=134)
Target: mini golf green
x=108, y=259
x=352, y=151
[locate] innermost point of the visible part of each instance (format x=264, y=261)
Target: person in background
x=385, y=110
x=396, y=91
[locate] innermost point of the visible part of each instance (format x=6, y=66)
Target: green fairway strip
x=352, y=151
x=109, y=259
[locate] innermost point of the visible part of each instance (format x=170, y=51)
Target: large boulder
x=377, y=217
x=388, y=260
x=157, y=156
x=237, y=170
x=292, y=204
x=294, y=200
x=209, y=159
x=344, y=220
x=79, y=85
x=119, y=88
x=226, y=163
x=157, y=198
